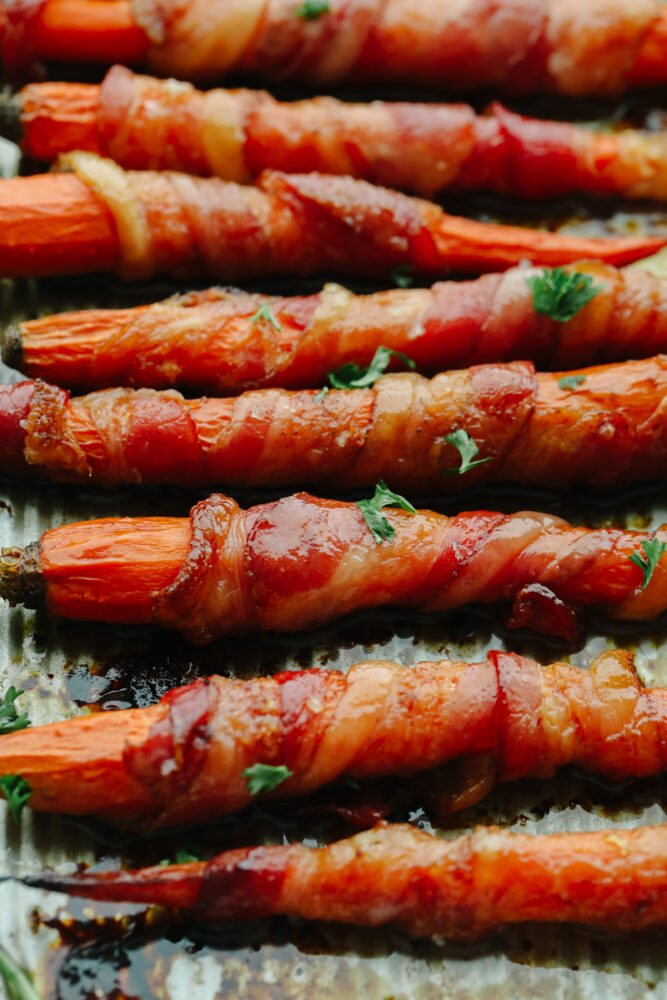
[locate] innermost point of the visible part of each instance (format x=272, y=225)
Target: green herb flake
x=571, y=381
x=18, y=983
x=378, y=525
x=403, y=275
x=263, y=778
x=353, y=376
x=10, y=720
x=183, y=857
x=264, y=313
x=560, y=294
x=467, y=449
x=324, y=391
x=17, y=791
x=650, y=558
x=311, y=10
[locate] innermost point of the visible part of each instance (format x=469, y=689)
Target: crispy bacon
x=146, y=223
x=395, y=874
x=451, y=325
x=144, y=123
x=602, y=427
x=517, y=46
x=300, y=562
x=183, y=760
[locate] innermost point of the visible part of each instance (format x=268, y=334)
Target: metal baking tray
x=77, y=950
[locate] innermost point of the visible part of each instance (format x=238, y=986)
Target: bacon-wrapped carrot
x=187, y=759
x=228, y=347
x=303, y=561
x=144, y=123
x=600, y=47
x=395, y=874
x=601, y=427
x=145, y=223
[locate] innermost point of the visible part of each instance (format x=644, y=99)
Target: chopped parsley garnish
x=561, y=294
x=264, y=312
x=378, y=525
x=182, y=857
x=17, y=792
x=403, y=275
x=571, y=381
x=10, y=720
x=262, y=778
x=311, y=10
x=19, y=985
x=650, y=558
x=467, y=449
x=352, y=376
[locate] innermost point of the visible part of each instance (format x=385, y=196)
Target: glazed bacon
x=144, y=223
x=516, y=46
x=301, y=561
x=147, y=124
x=395, y=874
x=451, y=325
x=601, y=427
x=183, y=760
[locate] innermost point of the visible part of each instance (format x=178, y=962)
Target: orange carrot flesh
x=78, y=766
x=89, y=31
x=50, y=224
x=55, y=116
x=103, y=551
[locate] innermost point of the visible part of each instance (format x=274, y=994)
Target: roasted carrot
x=302, y=561
x=396, y=874
x=144, y=123
x=600, y=427
x=600, y=47
x=228, y=348
x=186, y=759
x=288, y=224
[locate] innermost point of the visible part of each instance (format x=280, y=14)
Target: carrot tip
x=11, y=347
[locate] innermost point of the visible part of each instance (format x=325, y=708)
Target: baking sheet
x=77, y=950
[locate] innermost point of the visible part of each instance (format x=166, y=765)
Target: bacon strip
x=300, y=562
x=395, y=874
x=602, y=427
x=146, y=223
x=517, y=46
x=147, y=124
x=182, y=761
x=451, y=325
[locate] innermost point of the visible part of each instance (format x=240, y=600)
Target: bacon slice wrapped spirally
x=395, y=874
x=145, y=223
x=302, y=561
x=148, y=124
x=183, y=760
x=516, y=46
x=602, y=427
x=227, y=350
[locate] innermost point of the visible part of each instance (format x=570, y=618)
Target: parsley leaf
x=311, y=10
x=561, y=294
x=264, y=312
x=647, y=562
x=467, y=449
x=353, y=376
x=403, y=275
x=182, y=857
x=378, y=525
x=261, y=778
x=17, y=792
x=10, y=720
x=18, y=983
x=571, y=381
